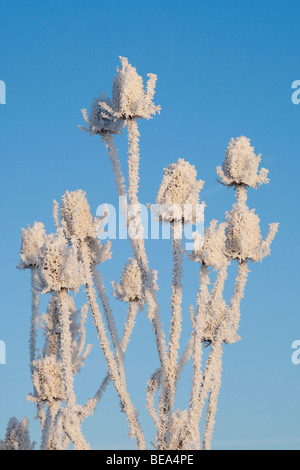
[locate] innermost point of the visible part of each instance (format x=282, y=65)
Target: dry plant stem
x=91, y=405
x=35, y=313
x=114, y=158
x=65, y=356
x=35, y=303
x=215, y=357
x=108, y=315
x=176, y=300
x=153, y=386
x=138, y=245
x=61, y=440
x=216, y=295
x=129, y=325
x=49, y=428
x=133, y=161
x=214, y=299
x=176, y=321
x=202, y=299
x=212, y=405
x=117, y=375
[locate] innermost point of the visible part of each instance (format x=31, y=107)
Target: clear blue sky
x=225, y=68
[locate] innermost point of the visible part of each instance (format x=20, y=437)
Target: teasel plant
x=68, y=262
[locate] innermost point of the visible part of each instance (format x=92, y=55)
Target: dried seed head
x=130, y=287
x=59, y=265
x=33, y=239
x=102, y=119
x=211, y=251
x=130, y=100
x=17, y=436
x=178, y=195
x=47, y=379
x=76, y=218
x=241, y=165
x=243, y=235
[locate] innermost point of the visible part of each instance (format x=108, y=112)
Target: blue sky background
x=225, y=68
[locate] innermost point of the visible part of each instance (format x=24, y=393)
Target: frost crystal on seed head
x=179, y=190
x=211, y=252
x=17, y=436
x=129, y=98
x=76, y=218
x=241, y=165
x=33, y=239
x=130, y=287
x=101, y=120
x=47, y=379
x=59, y=266
x=243, y=235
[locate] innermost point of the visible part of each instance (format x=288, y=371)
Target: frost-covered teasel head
x=75, y=214
x=243, y=235
x=48, y=380
x=241, y=165
x=130, y=287
x=129, y=98
x=101, y=120
x=59, y=265
x=210, y=249
x=33, y=238
x=178, y=196
x=17, y=436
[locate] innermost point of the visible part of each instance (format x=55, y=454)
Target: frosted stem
x=133, y=161
x=129, y=325
x=48, y=430
x=65, y=356
x=213, y=369
x=138, y=245
x=114, y=158
x=212, y=404
x=118, y=376
x=35, y=314
x=202, y=300
x=108, y=314
x=176, y=320
x=91, y=405
x=153, y=386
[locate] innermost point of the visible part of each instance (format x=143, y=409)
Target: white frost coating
x=243, y=234
x=48, y=379
x=212, y=251
x=59, y=266
x=241, y=165
x=130, y=287
x=17, y=436
x=75, y=214
x=175, y=327
x=101, y=121
x=66, y=261
x=179, y=188
x=129, y=98
x=33, y=238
